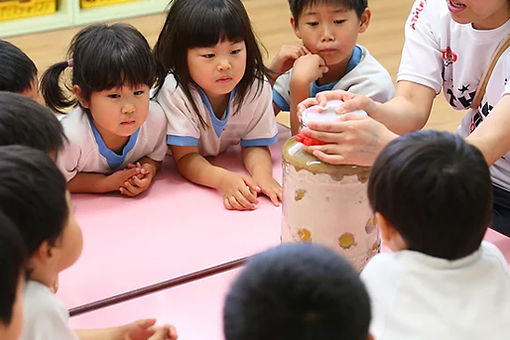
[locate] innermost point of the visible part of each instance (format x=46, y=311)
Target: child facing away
x=329, y=58
x=33, y=194
x=18, y=72
x=297, y=291
x=12, y=261
x=432, y=196
x=216, y=95
x=26, y=122
x=116, y=134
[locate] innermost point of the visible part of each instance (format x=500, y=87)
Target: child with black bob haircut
x=216, y=95
x=18, y=72
x=329, y=57
x=12, y=262
x=116, y=134
x=26, y=122
x=33, y=195
x=297, y=291
x=432, y=196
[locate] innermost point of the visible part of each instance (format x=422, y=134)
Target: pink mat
x=194, y=308
x=175, y=228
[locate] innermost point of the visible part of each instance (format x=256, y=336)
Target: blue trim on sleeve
x=181, y=140
x=280, y=101
x=355, y=59
x=218, y=124
x=259, y=141
x=113, y=159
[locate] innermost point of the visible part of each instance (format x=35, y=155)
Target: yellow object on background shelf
x=98, y=3
x=14, y=9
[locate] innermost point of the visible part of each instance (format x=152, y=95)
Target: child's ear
x=79, y=95
x=364, y=20
x=41, y=255
x=294, y=27
x=390, y=236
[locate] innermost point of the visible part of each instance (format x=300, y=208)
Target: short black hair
x=101, y=57
x=32, y=194
x=202, y=23
x=17, y=70
x=297, y=6
x=24, y=121
x=297, y=291
x=435, y=189
x=12, y=262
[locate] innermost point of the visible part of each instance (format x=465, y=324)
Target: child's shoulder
x=76, y=125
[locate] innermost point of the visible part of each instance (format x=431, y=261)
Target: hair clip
x=70, y=62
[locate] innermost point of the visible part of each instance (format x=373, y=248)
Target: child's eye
x=312, y=23
x=208, y=55
x=113, y=95
x=236, y=51
x=339, y=21
x=139, y=92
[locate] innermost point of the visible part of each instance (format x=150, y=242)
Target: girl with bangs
x=216, y=95
x=116, y=135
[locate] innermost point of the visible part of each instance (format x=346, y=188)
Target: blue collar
x=355, y=59
x=218, y=124
x=114, y=160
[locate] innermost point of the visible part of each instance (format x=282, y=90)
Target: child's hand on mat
x=165, y=333
x=270, y=187
x=285, y=58
x=116, y=180
x=239, y=191
x=308, y=68
x=139, y=330
x=140, y=182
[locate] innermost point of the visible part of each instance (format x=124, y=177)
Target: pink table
x=173, y=229
x=194, y=308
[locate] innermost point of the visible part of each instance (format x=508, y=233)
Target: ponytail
x=54, y=95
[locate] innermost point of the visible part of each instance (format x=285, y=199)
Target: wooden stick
x=157, y=287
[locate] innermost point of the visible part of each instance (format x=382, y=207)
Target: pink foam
x=175, y=228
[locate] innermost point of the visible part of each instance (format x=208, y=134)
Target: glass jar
x=327, y=204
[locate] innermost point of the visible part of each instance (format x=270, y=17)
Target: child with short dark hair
x=18, y=72
x=33, y=194
x=432, y=196
x=329, y=58
x=116, y=134
x=26, y=122
x=12, y=262
x=297, y=291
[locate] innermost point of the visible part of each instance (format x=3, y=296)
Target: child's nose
x=128, y=108
x=327, y=34
x=224, y=65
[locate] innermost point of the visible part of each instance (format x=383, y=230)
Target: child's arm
x=99, y=183
x=138, y=330
x=141, y=182
x=306, y=69
x=238, y=190
x=257, y=160
x=284, y=60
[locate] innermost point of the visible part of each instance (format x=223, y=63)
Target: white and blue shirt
x=86, y=151
x=364, y=75
x=253, y=124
